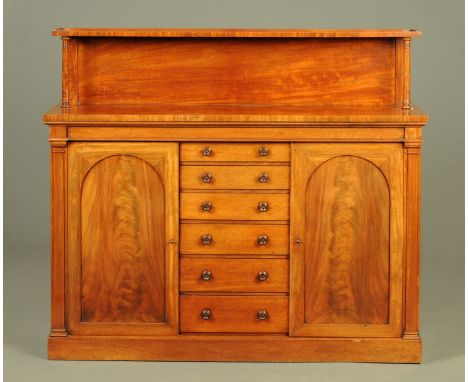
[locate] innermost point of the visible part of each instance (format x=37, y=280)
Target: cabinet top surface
x=241, y=114
x=240, y=33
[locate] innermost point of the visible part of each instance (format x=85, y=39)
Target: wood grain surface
x=234, y=206
x=239, y=152
x=123, y=249
x=347, y=231
x=236, y=71
x=121, y=115
x=233, y=275
x=58, y=222
x=191, y=32
x=259, y=348
x=234, y=177
x=233, y=314
x=203, y=132
x=122, y=232
x=234, y=239
x=347, y=243
x=413, y=237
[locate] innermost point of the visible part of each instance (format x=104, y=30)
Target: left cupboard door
x=122, y=263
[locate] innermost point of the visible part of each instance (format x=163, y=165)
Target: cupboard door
x=347, y=240
x=123, y=227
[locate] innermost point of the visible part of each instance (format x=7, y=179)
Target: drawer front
x=234, y=239
x=238, y=152
x=234, y=275
x=234, y=177
x=230, y=206
x=234, y=314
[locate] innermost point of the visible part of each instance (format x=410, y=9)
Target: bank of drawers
x=234, y=237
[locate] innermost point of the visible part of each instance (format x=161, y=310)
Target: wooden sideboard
x=235, y=195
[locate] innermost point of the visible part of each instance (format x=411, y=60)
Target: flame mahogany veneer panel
x=347, y=244
x=123, y=250
x=237, y=71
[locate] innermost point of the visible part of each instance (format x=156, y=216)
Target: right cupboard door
x=347, y=239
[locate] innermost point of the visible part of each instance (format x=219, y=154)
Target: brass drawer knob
x=207, y=177
x=262, y=314
x=206, y=275
x=263, y=177
x=262, y=276
x=262, y=240
x=206, y=314
x=207, y=239
x=206, y=206
x=263, y=151
x=262, y=207
x=207, y=151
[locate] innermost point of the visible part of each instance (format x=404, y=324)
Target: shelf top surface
x=164, y=113
x=230, y=33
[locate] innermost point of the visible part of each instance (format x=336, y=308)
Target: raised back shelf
x=238, y=67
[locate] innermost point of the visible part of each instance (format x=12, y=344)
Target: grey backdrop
x=32, y=84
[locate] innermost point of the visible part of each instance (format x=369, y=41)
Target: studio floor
x=26, y=325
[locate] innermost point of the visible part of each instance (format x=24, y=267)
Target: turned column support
x=69, y=72
x=406, y=73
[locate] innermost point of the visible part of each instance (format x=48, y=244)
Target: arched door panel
x=123, y=220
x=346, y=212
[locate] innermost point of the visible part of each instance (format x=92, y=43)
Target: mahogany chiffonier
x=235, y=195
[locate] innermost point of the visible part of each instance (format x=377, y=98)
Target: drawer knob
x=262, y=207
x=263, y=151
x=263, y=177
x=262, y=314
x=207, y=151
x=206, y=275
x=206, y=206
x=207, y=177
x=262, y=240
x=207, y=239
x=262, y=276
x=206, y=314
